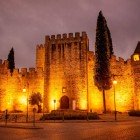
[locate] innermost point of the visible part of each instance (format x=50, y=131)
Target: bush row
x=69, y=116
x=134, y=113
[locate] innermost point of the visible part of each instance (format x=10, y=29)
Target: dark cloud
x=24, y=23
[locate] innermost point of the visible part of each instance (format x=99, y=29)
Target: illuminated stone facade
x=64, y=76
x=12, y=96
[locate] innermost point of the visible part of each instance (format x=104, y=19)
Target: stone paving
x=76, y=131
x=126, y=128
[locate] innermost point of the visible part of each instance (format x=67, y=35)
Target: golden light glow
x=55, y=95
x=54, y=104
x=136, y=57
x=16, y=94
x=83, y=104
x=9, y=105
x=97, y=102
x=120, y=102
x=114, y=82
x=24, y=90
x=23, y=100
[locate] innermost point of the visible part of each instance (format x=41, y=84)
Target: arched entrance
x=64, y=102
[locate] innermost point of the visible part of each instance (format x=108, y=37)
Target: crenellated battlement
x=17, y=71
x=128, y=61
x=120, y=61
x=65, y=62
x=29, y=71
x=66, y=37
x=113, y=57
x=0, y=61
x=40, y=47
x=3, y=64
x=12, y=85
x=23, y=71
x=32, y=71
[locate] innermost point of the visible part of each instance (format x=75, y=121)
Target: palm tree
x=36, y=99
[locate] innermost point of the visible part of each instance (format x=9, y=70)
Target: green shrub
x=134, y=113
x=16, y=111
x=70, y=115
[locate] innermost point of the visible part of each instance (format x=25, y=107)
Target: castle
x=64, y=75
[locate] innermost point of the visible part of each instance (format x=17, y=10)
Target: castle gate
x=64, y=102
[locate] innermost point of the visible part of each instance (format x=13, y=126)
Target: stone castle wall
x=70, y=65
x=40, y=56
x=11, y=87
x=65, y=68
x=136, y=74
x=124, y=89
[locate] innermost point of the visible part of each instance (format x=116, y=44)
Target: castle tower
x=40, y=56
x=65, y=83
x=136, y=74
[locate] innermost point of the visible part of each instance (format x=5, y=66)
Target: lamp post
x=24, y=90
x=0, y=100
x=114, y=83
x=54, y=101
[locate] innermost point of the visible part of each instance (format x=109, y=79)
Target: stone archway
x=64, y=102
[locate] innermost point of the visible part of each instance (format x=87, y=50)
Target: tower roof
x=137, y=50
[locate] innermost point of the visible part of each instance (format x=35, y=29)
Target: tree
x=36, y=99
x=110, y=46
x=103, y=51
x=11, y=61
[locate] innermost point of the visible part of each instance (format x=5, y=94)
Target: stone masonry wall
x=136, y=76
x=12, y=96
x=66, y=68
x=40, y=56
x=124, y=89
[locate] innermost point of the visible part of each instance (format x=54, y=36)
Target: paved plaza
x=125, y=128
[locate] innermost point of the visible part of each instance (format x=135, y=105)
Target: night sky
x=24, y=24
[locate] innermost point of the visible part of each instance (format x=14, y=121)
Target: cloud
x=24, y=24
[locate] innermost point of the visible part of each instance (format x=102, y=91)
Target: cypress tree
x=110, y=46
x=103, y=52
x=11, y=61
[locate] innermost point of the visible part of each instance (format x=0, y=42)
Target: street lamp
x=114, y=83
x=24, y=90
x=0, y=100
x=54, y=101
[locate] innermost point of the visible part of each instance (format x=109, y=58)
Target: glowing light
x=114, y=82
x=54, y=101
x=9, y=105
x=53, y=104
x=136, y=57
x=97, y=102
x=23, y=100
x=24, y=90
x=83, y=104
